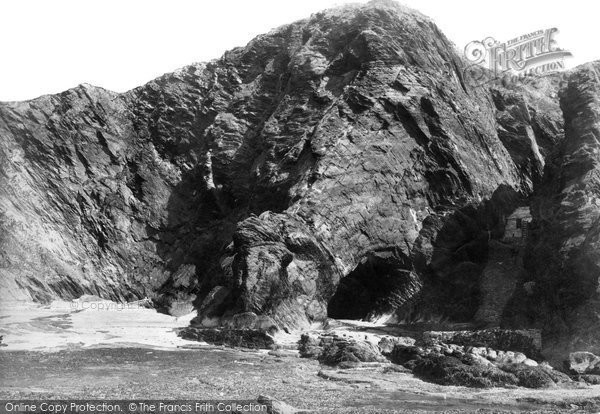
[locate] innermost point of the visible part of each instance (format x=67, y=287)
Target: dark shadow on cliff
x=201, y=222
x=451, y=254
x=441, y=281
x=374, y=287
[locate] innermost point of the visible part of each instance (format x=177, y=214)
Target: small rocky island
x=339, y=189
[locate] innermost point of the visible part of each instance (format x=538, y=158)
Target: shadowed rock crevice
x=455, y=254
x=377, y=286
x=562, y=260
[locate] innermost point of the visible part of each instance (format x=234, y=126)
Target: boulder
x=309, y=346
x=245, y=338
x=331, y=349
x=387, y=343
x=510, y=357
x=275, y=406
x=530, y=377
x=401, y=354
x=449, y=370
x=530, y=362
x=250, y=320
x=349, y=350
x=583, y=363
x=474, y=359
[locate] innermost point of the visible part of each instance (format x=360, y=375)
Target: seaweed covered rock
x=401, y=354
x=528, y=342
x=334, y=350
x=531, y=377
x=449, y=370
x=388, y=343
x=244, y=338
x=349, y=350
x=309, y=346
x=475, y=371
x=475, y=366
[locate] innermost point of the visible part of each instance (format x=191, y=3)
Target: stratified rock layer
x=342, y=164
x=564, y=261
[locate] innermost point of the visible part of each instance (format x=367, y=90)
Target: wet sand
x=134, y=373
x=59, y=352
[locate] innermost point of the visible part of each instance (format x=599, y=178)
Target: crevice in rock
x=376, y=286
x=462, y=258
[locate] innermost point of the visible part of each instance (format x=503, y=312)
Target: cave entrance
x=377, y=286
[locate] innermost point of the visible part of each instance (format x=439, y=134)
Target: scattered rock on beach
x=527, y=342
x=449, y=370
x=337, y=350
x=387, y=343
x=245, y=338
x=331, y=349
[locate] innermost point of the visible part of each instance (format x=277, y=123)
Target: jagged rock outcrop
x=563, y=260
x=344, y=158
x=401, y=143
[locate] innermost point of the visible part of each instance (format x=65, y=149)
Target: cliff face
x=342, y=165
x=374, y=148
x=68, y=200
x=563, y=259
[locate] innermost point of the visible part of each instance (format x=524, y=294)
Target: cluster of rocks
x=331, y=147
x=335, y=349
x=246, y=330
x=482, y=355
x=432, y=359
x=523, y=341
x=479, y=358
x=450, y=364
x=243, y=338
x=344, y=161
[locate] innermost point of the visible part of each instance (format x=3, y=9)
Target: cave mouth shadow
x=370, y=290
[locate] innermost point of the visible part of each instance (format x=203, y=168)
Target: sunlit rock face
x=342, y=159
x=389, y=161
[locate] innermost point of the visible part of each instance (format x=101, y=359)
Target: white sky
x=50, y=46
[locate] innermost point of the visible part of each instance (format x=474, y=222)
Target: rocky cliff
x=342, y=165
x=562, y=258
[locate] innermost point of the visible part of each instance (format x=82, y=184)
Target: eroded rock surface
x=393, y=156
x=563, y=259
x=526, y=341
x=342, y=165
x=472, y=363
x=583, y=363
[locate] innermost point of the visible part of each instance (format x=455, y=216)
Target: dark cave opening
x=373, y=288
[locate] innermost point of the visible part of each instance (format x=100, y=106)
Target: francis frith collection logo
x=530, y=54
